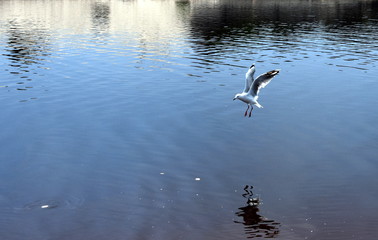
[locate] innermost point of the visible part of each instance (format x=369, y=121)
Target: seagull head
x=237, y=96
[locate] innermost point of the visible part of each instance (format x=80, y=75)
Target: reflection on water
x=100, y=16
x=255, y=225
x=26, y=46
x=26, y=51
x=128, y=90
x=285, y=30
x=70, y=203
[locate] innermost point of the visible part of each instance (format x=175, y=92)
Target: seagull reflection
x=255, y=225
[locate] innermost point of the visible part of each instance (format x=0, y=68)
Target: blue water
x=117, y=120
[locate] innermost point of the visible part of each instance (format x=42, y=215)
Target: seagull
x=252, y=87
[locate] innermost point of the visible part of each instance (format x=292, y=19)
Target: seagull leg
x=246, y=111
x=250, y=113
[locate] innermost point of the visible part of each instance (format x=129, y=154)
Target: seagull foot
x=250, y=113
x=246, y=111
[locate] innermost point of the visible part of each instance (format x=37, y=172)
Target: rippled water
x=117, y=120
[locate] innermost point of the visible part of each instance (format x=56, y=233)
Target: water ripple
x=69, y=203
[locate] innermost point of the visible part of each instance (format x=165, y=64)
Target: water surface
x=117, y=120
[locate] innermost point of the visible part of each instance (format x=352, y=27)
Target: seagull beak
x=233, y=99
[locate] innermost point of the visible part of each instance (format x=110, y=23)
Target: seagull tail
x=258, y=105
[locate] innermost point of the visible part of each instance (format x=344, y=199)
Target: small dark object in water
x=248, y=193
x=253, y=202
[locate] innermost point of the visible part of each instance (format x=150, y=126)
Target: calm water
x=117, y=119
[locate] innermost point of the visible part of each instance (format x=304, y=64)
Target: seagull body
x=253, y=86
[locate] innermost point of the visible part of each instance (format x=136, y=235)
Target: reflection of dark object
x=255, y=224
x=253, y=201
x=248, y=194
x=248, y=191
x=219, y=20
x=100, y=16
x=26, y=47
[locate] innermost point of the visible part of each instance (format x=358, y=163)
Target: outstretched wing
x=261, y=81
x=249, y=78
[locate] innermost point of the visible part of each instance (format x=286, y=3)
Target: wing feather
x=249, y=78
x=261, y=81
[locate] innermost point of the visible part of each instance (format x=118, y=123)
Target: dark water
x=117, y=120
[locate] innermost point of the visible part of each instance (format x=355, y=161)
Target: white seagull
x=252, y=87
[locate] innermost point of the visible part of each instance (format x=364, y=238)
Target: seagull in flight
x=253, y=86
